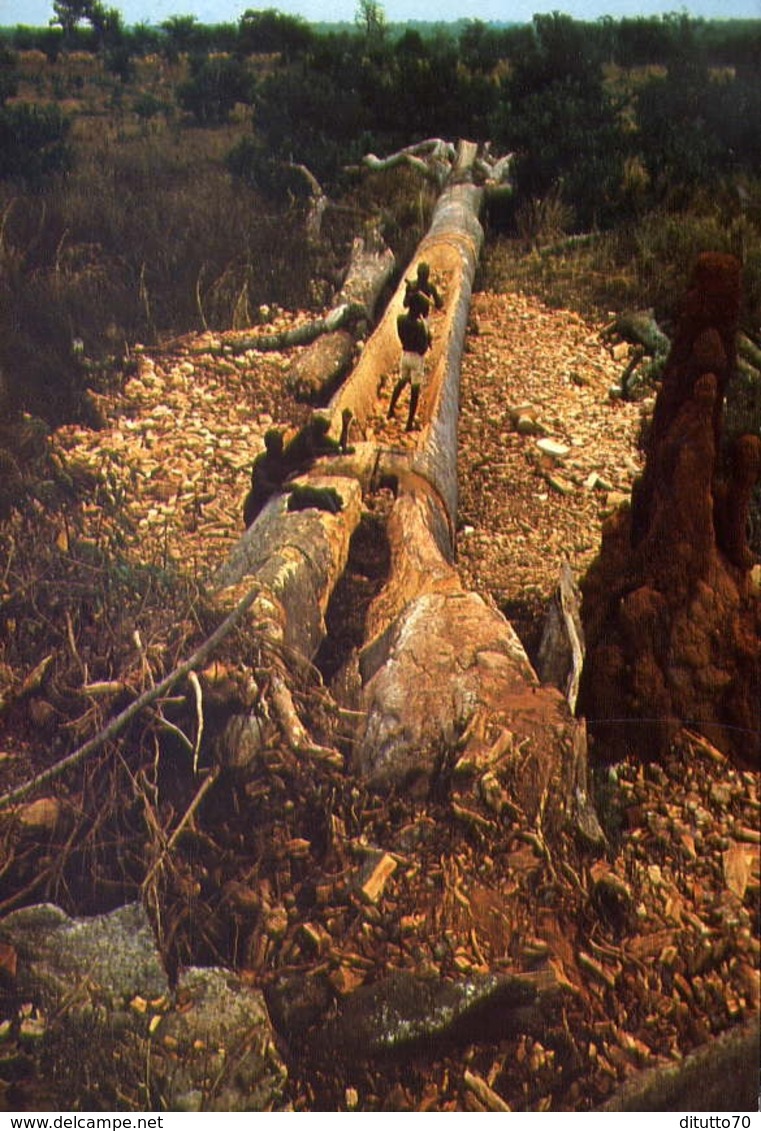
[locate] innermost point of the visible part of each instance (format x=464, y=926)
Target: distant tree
x=105, y=22
x=144, y=40
x=107, y=25
x=641, y=42
x=555, y=47
x=370, y=18
x=68, y=14
x=410, y=45
x=32, y=142
x=214, y=88
x=694, y=127
x=556, y=114
x=480, y=46
x=316, y=117
x=182, y=36
x=268, y=31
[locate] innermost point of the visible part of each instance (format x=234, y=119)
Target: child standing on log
x=423, y=285
x=415, y=337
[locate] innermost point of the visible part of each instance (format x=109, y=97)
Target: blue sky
x=37, y=13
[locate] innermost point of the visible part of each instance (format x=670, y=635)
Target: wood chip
x=373, y=887
x=599, y=972
x=483, y=1093
x=737, y=863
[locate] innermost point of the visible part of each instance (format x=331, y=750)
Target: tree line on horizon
x=609, y=123
x=89, y=25
x=329, y=98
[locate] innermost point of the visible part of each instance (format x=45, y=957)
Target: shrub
x=270, y=31
x=544, y=220
x=216, y=85
x=148, y=106
x=276, y=180
x=33, y=142
x=558, y=117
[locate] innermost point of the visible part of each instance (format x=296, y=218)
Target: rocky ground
x=652, y=942
x=179, y=442
x=546, y=451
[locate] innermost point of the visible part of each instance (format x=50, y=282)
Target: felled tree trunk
x=445, y=672
x=442, y=669
x=314, y=374
x=451, y=248
x=342, y=315
x=316, y=371
x=295, y=560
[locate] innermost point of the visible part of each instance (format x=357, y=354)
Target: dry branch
x=432, y=158
x=303, y=335
x=318, y=202
x=315, y=372
x=182, y=670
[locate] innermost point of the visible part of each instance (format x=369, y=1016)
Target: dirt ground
x=655, y=938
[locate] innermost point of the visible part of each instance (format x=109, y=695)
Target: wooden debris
x=737, y=862
x=599, y=972
x=372, y=889
x=481, y=1090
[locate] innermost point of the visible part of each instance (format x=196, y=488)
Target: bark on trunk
x=314, y=374
x=342, y=315
x=296, y=558
x=451, y=248
x=446, y=672
x=443, y=670
x=370, y=267
x=433, y=158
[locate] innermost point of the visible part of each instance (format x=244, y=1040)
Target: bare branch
x=198, y=657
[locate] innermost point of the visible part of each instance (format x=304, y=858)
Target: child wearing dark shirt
x=415, y=338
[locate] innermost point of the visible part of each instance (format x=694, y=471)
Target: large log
x=296, y=558
x=315, y=372
x=446, y=672
x=451, y=247
x=439, y=661
x=442, y=669
x=340, y=316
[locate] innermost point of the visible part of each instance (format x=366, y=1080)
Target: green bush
x=693, y=128
x=213, y=90
x=270, y=31
x=311, y=116
x=33, y=142
x=562, y=123
x=276, y=180
x=148, y=106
